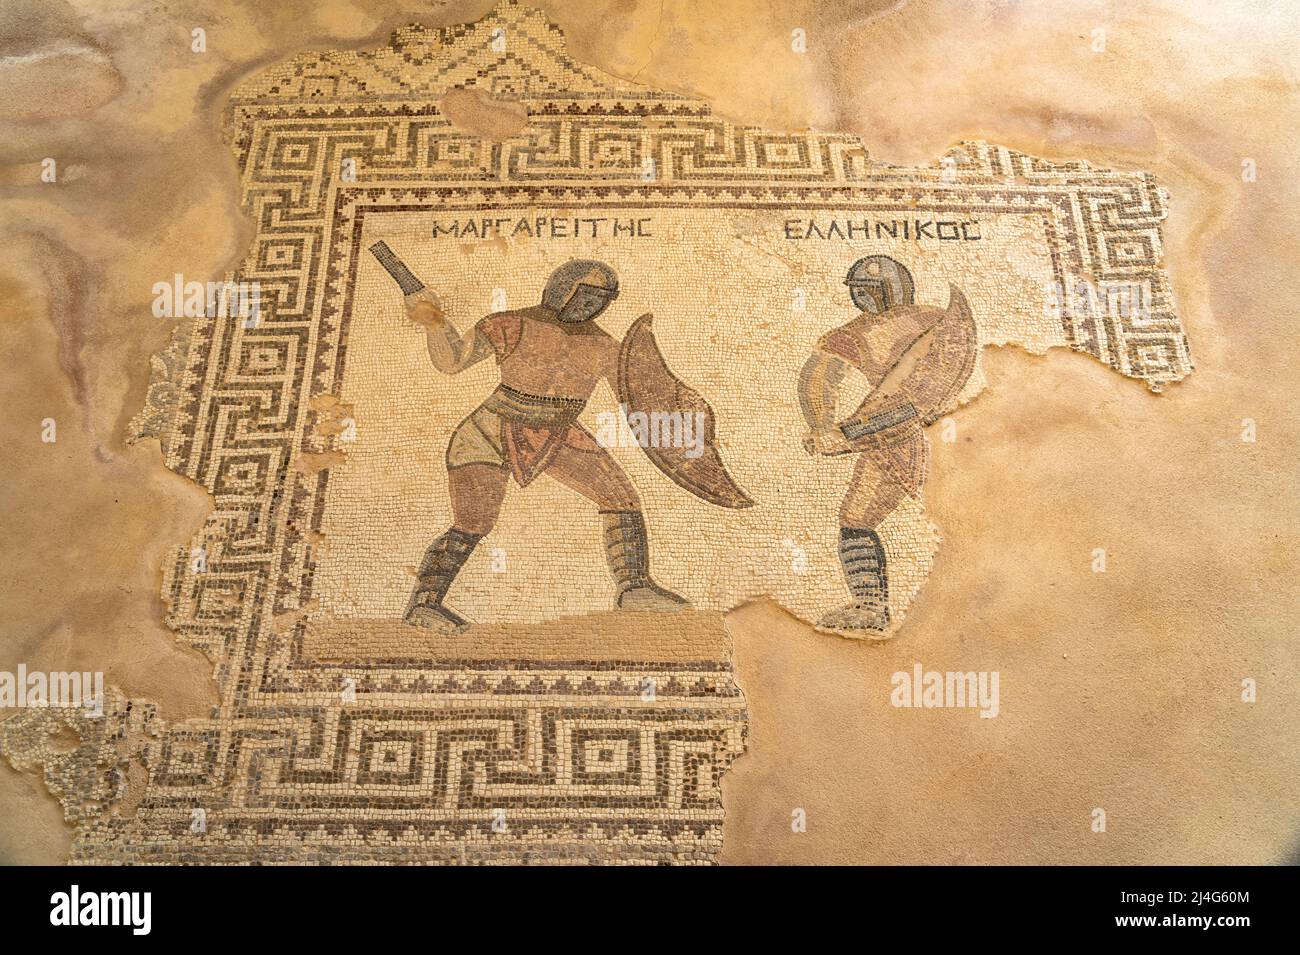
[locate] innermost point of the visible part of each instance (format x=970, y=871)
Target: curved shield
x=656, y=402
x=924, y=383
x=941, y=374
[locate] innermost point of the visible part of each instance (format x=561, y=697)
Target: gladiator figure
x=916, y=360
x=551, y=357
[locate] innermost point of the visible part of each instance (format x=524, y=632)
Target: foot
x=435, y=617
x=651, y=598
x=869, y=621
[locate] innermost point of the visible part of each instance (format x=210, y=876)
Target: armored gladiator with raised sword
x=551, y=356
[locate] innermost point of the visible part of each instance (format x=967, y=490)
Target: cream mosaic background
x=725, y=289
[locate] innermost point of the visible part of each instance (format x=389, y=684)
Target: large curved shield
x=656, y=401
x=942, y=373
x=925, y=382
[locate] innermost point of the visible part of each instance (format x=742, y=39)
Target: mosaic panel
x=517, y=421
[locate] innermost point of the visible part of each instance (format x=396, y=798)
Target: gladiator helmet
x=580, y=289
x=878, y=283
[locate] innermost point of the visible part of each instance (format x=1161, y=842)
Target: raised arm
x=449, y=350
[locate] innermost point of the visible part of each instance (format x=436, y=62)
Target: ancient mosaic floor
x=555, y=725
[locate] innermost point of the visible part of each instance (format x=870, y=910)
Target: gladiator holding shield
x=551, y=356
x=916, y=359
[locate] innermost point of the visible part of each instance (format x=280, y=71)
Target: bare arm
x=819, y=384
x=449, y=350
